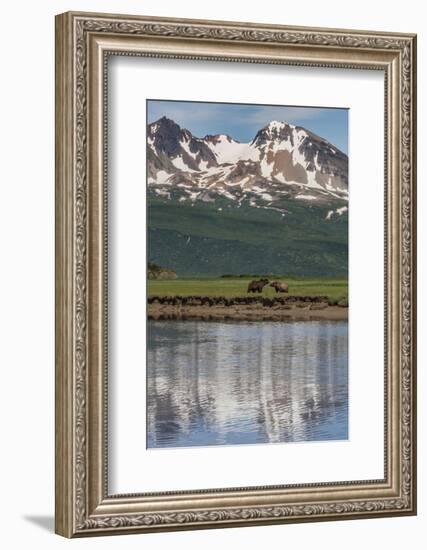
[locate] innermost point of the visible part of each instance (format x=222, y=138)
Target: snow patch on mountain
x=338, y=212
x=306, y=197
x=225, y=148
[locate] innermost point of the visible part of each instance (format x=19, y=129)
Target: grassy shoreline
x=172, y=309
x=334, y=289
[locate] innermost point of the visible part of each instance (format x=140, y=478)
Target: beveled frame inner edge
x=321, y=487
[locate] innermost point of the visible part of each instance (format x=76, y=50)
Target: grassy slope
x=333, y=288
x=200, y=240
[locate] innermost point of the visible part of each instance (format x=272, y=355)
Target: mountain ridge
x=281, y=161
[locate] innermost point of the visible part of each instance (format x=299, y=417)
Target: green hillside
x=210, y=239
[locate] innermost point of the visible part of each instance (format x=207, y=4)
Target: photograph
x=247, y=273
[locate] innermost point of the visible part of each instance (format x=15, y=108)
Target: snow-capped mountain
x=283, y=162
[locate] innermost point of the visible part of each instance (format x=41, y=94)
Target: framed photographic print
x=235, y=274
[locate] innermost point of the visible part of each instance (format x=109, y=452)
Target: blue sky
x=243, y=121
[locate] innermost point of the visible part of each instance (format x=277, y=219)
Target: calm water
x=237, y=383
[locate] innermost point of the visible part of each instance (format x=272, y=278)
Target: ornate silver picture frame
x=84, y=43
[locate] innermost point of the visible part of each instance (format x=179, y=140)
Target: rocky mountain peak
x=172, y=144
x=165, y=135
x=163, y=124
x=275, y=131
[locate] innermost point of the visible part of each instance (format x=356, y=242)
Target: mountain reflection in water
x=222, y=383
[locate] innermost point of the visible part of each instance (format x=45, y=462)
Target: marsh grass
x=335, y=289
